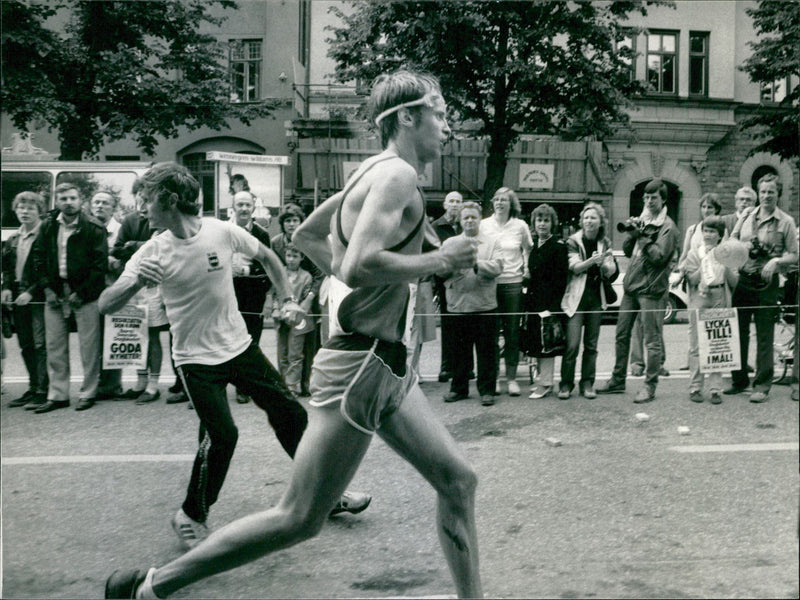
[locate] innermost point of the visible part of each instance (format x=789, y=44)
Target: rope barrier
x=609, y=312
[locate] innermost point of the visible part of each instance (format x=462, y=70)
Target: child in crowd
x=291, y=339
x=146, y=389
x=710, y=285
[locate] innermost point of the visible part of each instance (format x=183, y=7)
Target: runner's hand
x=6, y=296
x=459, y=253
x=150, y=271
x=292, y=313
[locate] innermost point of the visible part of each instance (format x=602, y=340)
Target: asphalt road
x=622, y=508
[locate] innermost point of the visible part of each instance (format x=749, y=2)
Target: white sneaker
x=189, y=531
x=513, y=388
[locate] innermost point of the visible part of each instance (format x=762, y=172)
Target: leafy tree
x=538, y=66
x=776, y=56
x=116, y=69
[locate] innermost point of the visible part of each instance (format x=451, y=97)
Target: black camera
x=758, y=250
x=626, y=226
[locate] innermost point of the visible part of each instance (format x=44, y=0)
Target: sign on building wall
x=536, y=176
x=262, y=175
x=349, y=167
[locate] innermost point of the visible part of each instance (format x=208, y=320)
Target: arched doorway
x=673, y=200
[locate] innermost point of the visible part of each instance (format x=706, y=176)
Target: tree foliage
x=102, y=70
x=776, y=56
x=538, y=66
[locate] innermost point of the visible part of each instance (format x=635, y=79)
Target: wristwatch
x=289, y=298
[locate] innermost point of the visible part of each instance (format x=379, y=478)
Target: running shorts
x=367, y=376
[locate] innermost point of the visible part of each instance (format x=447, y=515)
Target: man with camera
x=650, y=242
x=772, y=239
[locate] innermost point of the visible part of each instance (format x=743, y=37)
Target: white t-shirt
x=197, y=289
x=514, y=242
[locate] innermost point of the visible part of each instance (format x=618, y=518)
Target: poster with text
x=718, y=340
x=125, y=338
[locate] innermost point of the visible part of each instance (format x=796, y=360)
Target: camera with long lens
x=626, y=226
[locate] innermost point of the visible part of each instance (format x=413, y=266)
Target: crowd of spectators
x=57, y=264
x=531, y=292
x=551, y=292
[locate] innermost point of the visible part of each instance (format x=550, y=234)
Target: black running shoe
x=123, y=584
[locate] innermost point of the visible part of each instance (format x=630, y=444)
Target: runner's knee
x=460, y=483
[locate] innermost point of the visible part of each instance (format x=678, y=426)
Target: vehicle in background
x=43, y=177
x=678, y=297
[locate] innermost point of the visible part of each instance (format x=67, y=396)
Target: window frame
x=706, y=36
x=632, y=36
x=676, y=61
x=247, y=62
x=771, y=85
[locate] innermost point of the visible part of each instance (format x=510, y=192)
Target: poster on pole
x=718, y=340
x=125, y=338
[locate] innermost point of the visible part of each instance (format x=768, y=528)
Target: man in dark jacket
x=71, y=259
x=650, y=243
x=250, y=280
x=20, y=287
x=446, y=227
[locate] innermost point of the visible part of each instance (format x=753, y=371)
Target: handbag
x=608, y=289
x=554, y=341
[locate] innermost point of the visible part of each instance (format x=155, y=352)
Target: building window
x=662, y=62
x=774, y=92
x=202, y=170
x=628, y=43
x=245, y=70
x=698, y=63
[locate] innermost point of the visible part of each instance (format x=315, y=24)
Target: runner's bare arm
x=367, y=262
x=123, y=289
x=311, y=237
x=118, y=294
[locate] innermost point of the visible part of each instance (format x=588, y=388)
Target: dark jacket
x=549, y=270
x=30, y=281
x=257, y=269
x=444, y=229
x=135, y=231
x=87, y=257
x=648, y=273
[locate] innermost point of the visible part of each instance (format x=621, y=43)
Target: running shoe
x=352, y=502
x=123, y=584
x=189, y=531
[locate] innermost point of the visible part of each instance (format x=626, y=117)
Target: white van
x=43, y=177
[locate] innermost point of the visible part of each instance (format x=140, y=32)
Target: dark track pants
x=205, y=385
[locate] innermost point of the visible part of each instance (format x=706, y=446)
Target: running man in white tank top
x=369, y=237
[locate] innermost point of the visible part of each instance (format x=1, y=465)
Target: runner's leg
x=415, y=433
x=326, y=460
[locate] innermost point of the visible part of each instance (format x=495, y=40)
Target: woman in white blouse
x=515, y=243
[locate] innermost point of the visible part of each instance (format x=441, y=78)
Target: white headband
x=428, y=100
